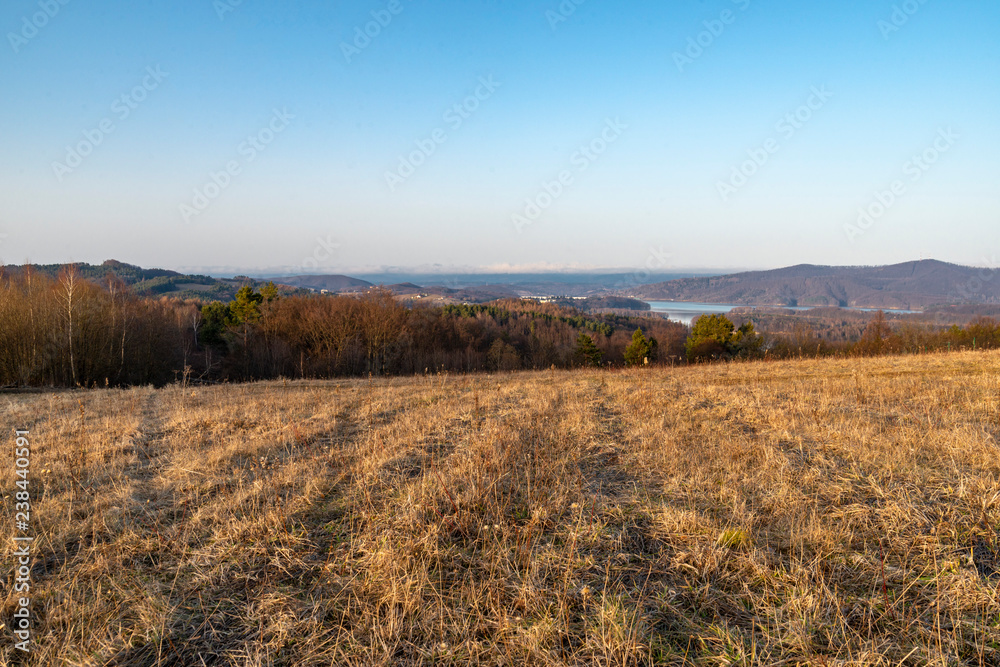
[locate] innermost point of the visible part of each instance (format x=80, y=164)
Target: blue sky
x=260, y=136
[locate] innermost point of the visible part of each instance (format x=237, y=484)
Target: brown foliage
x=71, y=331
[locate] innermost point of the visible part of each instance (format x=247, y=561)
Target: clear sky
x=253, y=135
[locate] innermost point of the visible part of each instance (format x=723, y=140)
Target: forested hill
x=130, y=274
x=911, y=285
x=147, y=282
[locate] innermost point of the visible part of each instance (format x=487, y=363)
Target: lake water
x=688, y=311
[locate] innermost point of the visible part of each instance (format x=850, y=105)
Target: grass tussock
x=816, y=512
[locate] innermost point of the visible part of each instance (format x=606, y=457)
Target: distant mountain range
x=909, y=286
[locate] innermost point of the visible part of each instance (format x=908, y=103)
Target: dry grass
x=813, y=512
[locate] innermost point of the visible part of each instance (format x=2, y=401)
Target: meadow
x=821, y=512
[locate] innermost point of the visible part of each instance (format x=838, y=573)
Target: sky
x=231, y=136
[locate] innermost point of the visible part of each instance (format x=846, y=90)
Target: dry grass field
x=806, y=512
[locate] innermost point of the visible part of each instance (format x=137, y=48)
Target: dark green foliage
x=245, y=308
x=641, y=350
x=712, y=327
x=232, y=326
x=587, y=353
x=269, y=292
x=215, y=320
x=748, y=344
x=716, y=337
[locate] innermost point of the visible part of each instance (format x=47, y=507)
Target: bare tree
x=382, y=324
x=69, y=287
x=121, y=299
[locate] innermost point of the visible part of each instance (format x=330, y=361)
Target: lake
x=688, y=311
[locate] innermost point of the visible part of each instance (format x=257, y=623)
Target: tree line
x=716, y=337
x=71, y=331
x=262, y=334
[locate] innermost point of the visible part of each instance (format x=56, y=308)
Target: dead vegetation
x=813, y=512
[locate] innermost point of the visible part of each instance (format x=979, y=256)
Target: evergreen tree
x=245, y=308
x=747, y=343
x=269, y=292
x=638, y=351
x=716, y=337
x=215, y=321
x=587, y=353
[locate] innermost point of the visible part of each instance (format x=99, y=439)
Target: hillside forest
x=70, y=330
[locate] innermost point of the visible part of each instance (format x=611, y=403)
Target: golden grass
x=811, y=512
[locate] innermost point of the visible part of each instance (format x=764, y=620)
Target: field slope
x=813, y=512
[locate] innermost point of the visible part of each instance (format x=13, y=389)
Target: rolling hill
x=330, y=283
x=911, y=285
x=152, y=282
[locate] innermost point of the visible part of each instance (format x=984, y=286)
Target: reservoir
x=688, y=311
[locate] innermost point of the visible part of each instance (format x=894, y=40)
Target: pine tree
x=215, y=319
x=245, y=308
x=716, y=337
x=638, y=351
x=587, y=353
x=269, y=292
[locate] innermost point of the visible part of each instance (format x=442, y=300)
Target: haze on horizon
x=542, y=134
